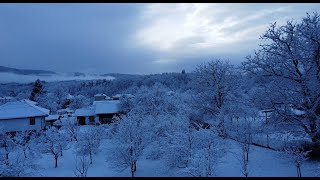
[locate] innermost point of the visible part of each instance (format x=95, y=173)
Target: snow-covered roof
x=19, y=109
x=52, y=117
x=100, y=95
x=62, y=111
x=107, y=107
x=69, y=110
x=84, y=112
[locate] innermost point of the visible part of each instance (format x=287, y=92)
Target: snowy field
x=262, y=163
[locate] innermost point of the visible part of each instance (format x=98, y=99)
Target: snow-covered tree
x=49, y=101
x=82, y=165
x=89, y=141
x=53, y=142
x=288, y=65
x=216, y=81
x=37, y=90
x=79, y=101
x=18, y=166
x=23, y=140
x=178, y=141
x=206, y=154
x=6, y=144
x=128, y=141
x=70, y=126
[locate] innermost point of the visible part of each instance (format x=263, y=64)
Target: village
x=27, y=115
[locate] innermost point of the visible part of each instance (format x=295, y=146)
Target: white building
x=100, y=112
x=22, y=116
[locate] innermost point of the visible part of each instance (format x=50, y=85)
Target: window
x=91, y=118
x=32, y=121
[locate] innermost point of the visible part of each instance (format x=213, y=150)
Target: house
x=106, y=110
x=65, y=112
x=101, y=97
x=101, y=112
x=22, y=116
x=51, y=119
x=85, y=116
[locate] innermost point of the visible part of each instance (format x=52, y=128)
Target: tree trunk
x=7, y=155
x=247, y=158
x=267, y=140
x=24, y=152
x=56, y=162
x=314, y=133
x=299, y=171
x=190, y=148
x=90, y=157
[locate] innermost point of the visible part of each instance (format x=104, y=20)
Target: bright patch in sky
x=189, y=29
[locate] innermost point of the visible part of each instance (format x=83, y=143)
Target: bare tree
x=244, y=159
x=82, y=166
x=54, y=143
x=6, y=143
x=297, y=156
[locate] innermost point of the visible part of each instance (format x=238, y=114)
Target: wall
x=21, y=124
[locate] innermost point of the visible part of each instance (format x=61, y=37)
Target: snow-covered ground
x=262, y=162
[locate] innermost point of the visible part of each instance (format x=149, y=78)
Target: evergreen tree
x=36, y=90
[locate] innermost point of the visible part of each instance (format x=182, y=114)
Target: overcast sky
x=134, y=38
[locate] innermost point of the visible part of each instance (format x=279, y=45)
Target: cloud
x=191, y=29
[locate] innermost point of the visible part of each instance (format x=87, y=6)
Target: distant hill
x=9, y=75
x=25, y=71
